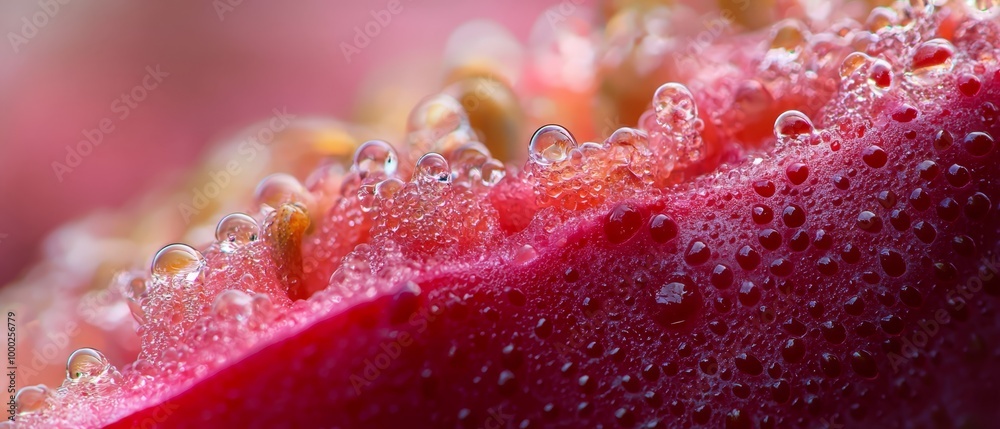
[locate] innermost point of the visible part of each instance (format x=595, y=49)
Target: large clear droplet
x=87, y=365
x=233, y=305
x=932, y=59
x=551, y=144
x=432, y=167
x=278, y=189
x=467, y=160
x=236, y=230
x=177, y=260
x=492, y=172
x=674, y=105
x=437, y=124
x=31, y=399
x=375, y=158
x=792, y=124
x=387, y=189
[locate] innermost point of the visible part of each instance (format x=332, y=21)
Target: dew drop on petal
x=388, y=188
x=375, y=158
x=279, y=188
x=676, y=302
x=236, y=230
x=432, y=167
x=791, y=124
x=551, y=144
x=525, y=255
x=86, y=364
x=177, y=260
x=233, y=305
x=674, y=104
x=932, y=58
x=492, y=172
x=31, y=399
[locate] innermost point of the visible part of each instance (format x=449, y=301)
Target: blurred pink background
x=223, y=75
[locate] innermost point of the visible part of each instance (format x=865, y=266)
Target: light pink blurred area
x=218, y=75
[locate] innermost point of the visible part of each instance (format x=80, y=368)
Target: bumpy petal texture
x=803, y=233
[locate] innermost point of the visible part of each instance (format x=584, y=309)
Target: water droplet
x=467, y=160
x=830, y=365
x=375, y=160
x=932, y=57
x=87, y=365
x=551, y=144
x=874, y=156
x=388, y=188
x=943, y=140
x=977, y=206
x=676, y=302
x=905, y=113
x=928, y=170
x=722, y=276
x=525, y=254
x=761, y=214
x=662, y=228
x=748, y=258
x=792, y=124
x=622, y=223
x=793, y=216
x=236, y=230
x=748, y=364
x=978, y=143
x=697, y=253
x=852, y=63
x=279, y=188
x=794, y=350
x=769, y=238
x=233, y=304
x=764, y=188
x=437, y=124
x=492, y=172
x=958, y=176
x=833, y=332
x=797, y=173
x=788, y=35
x=969, y=85
x=881, y=17
x=924, y=231
x=749, y=294
x=869, y=221
x=432, y=168
x=864, y=364
x=948, y=209
x=674, y=105
x=880, y=75
x=892, y=262
x=31, y=399
x=135, y=307
x=177, y=260
x=826, y=266
x=919, y=199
